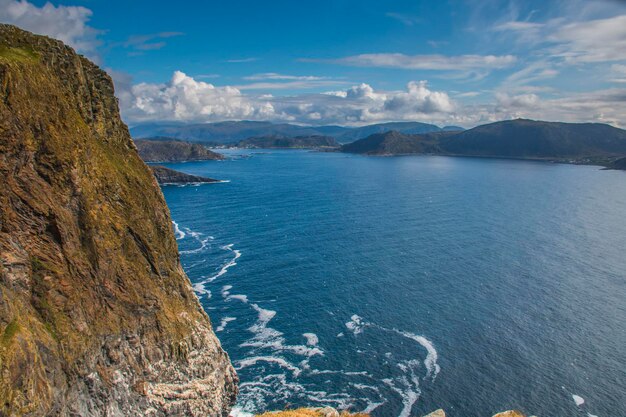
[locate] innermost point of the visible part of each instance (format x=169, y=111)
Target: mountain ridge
x=521, y=138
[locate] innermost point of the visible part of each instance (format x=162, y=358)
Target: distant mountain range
x=234, y=131
x=573, y=142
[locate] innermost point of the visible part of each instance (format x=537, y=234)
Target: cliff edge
x=97, y=316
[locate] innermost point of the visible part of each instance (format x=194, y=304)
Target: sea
x=399, y=285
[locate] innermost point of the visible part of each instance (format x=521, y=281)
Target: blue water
x=402, y=285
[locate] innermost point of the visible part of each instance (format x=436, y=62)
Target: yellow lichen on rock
x=312, y=412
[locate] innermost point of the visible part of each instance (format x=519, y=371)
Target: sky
x=345, y=62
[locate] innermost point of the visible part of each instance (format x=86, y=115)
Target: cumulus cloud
x=428, y=62
x=67, y=23
x=184, y=98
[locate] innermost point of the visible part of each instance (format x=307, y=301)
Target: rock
x=97, y=316
x=437, y=413
x=510, y=413
x=328, y=412
x=165, y=175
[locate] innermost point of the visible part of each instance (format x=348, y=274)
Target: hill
x=523, y=138
x=235, y=131
x=394, y=143
x=298, y=142
x=163, y=150
x=590, y=143
x=408, y=128
x=97, y=316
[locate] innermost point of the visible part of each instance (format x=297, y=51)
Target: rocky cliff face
x=97, y=316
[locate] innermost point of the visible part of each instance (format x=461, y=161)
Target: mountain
x=402, y=127
x=97, y=316
x=301, y=142
x=234, y=131
x=393, y=143
x=166, y=176
x=618, y=164
x=162, y=150
x=221, y=132
x=523, y=138
x=571, y=142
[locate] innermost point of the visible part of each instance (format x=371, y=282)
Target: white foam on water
x=238, y=412
x=268, y=338
x=200, y=290
x=244, y=363
x=224, y=322
x=240, y=297
x=356, y=324
x=431, y=358
x=591, y=415
x=311, y=339
x=179, y=233
x=578, y=400
x=371, y=406
x=226, y=290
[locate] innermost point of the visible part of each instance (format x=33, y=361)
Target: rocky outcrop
x=97, y=316
x=165, y=175
x=437, y=413
x=163, y=150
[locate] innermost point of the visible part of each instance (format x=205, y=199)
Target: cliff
x=174, y=151
x=97, y=316
x=165, y=175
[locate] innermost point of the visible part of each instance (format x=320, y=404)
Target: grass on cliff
x=18, y=54
x=10, y=331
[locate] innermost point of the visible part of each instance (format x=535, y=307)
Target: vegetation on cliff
x=97, y=316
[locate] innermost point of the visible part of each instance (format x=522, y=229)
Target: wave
x=431, y=358
x=244, y=363
x=311, y=339
x=224, y=323
x=177, y=232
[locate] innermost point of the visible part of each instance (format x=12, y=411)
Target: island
x=161, y=149
x=165, y=176
x=285, y=142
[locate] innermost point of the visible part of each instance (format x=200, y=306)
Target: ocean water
x=401, y=285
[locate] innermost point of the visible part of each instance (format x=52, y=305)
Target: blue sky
x=349, y=62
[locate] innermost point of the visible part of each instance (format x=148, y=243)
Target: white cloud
x=405, y=19
x=66, y=23
x=597, y=40
x=428, y=62
x=185, y=99
x=276, y=76
x=149, y=42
